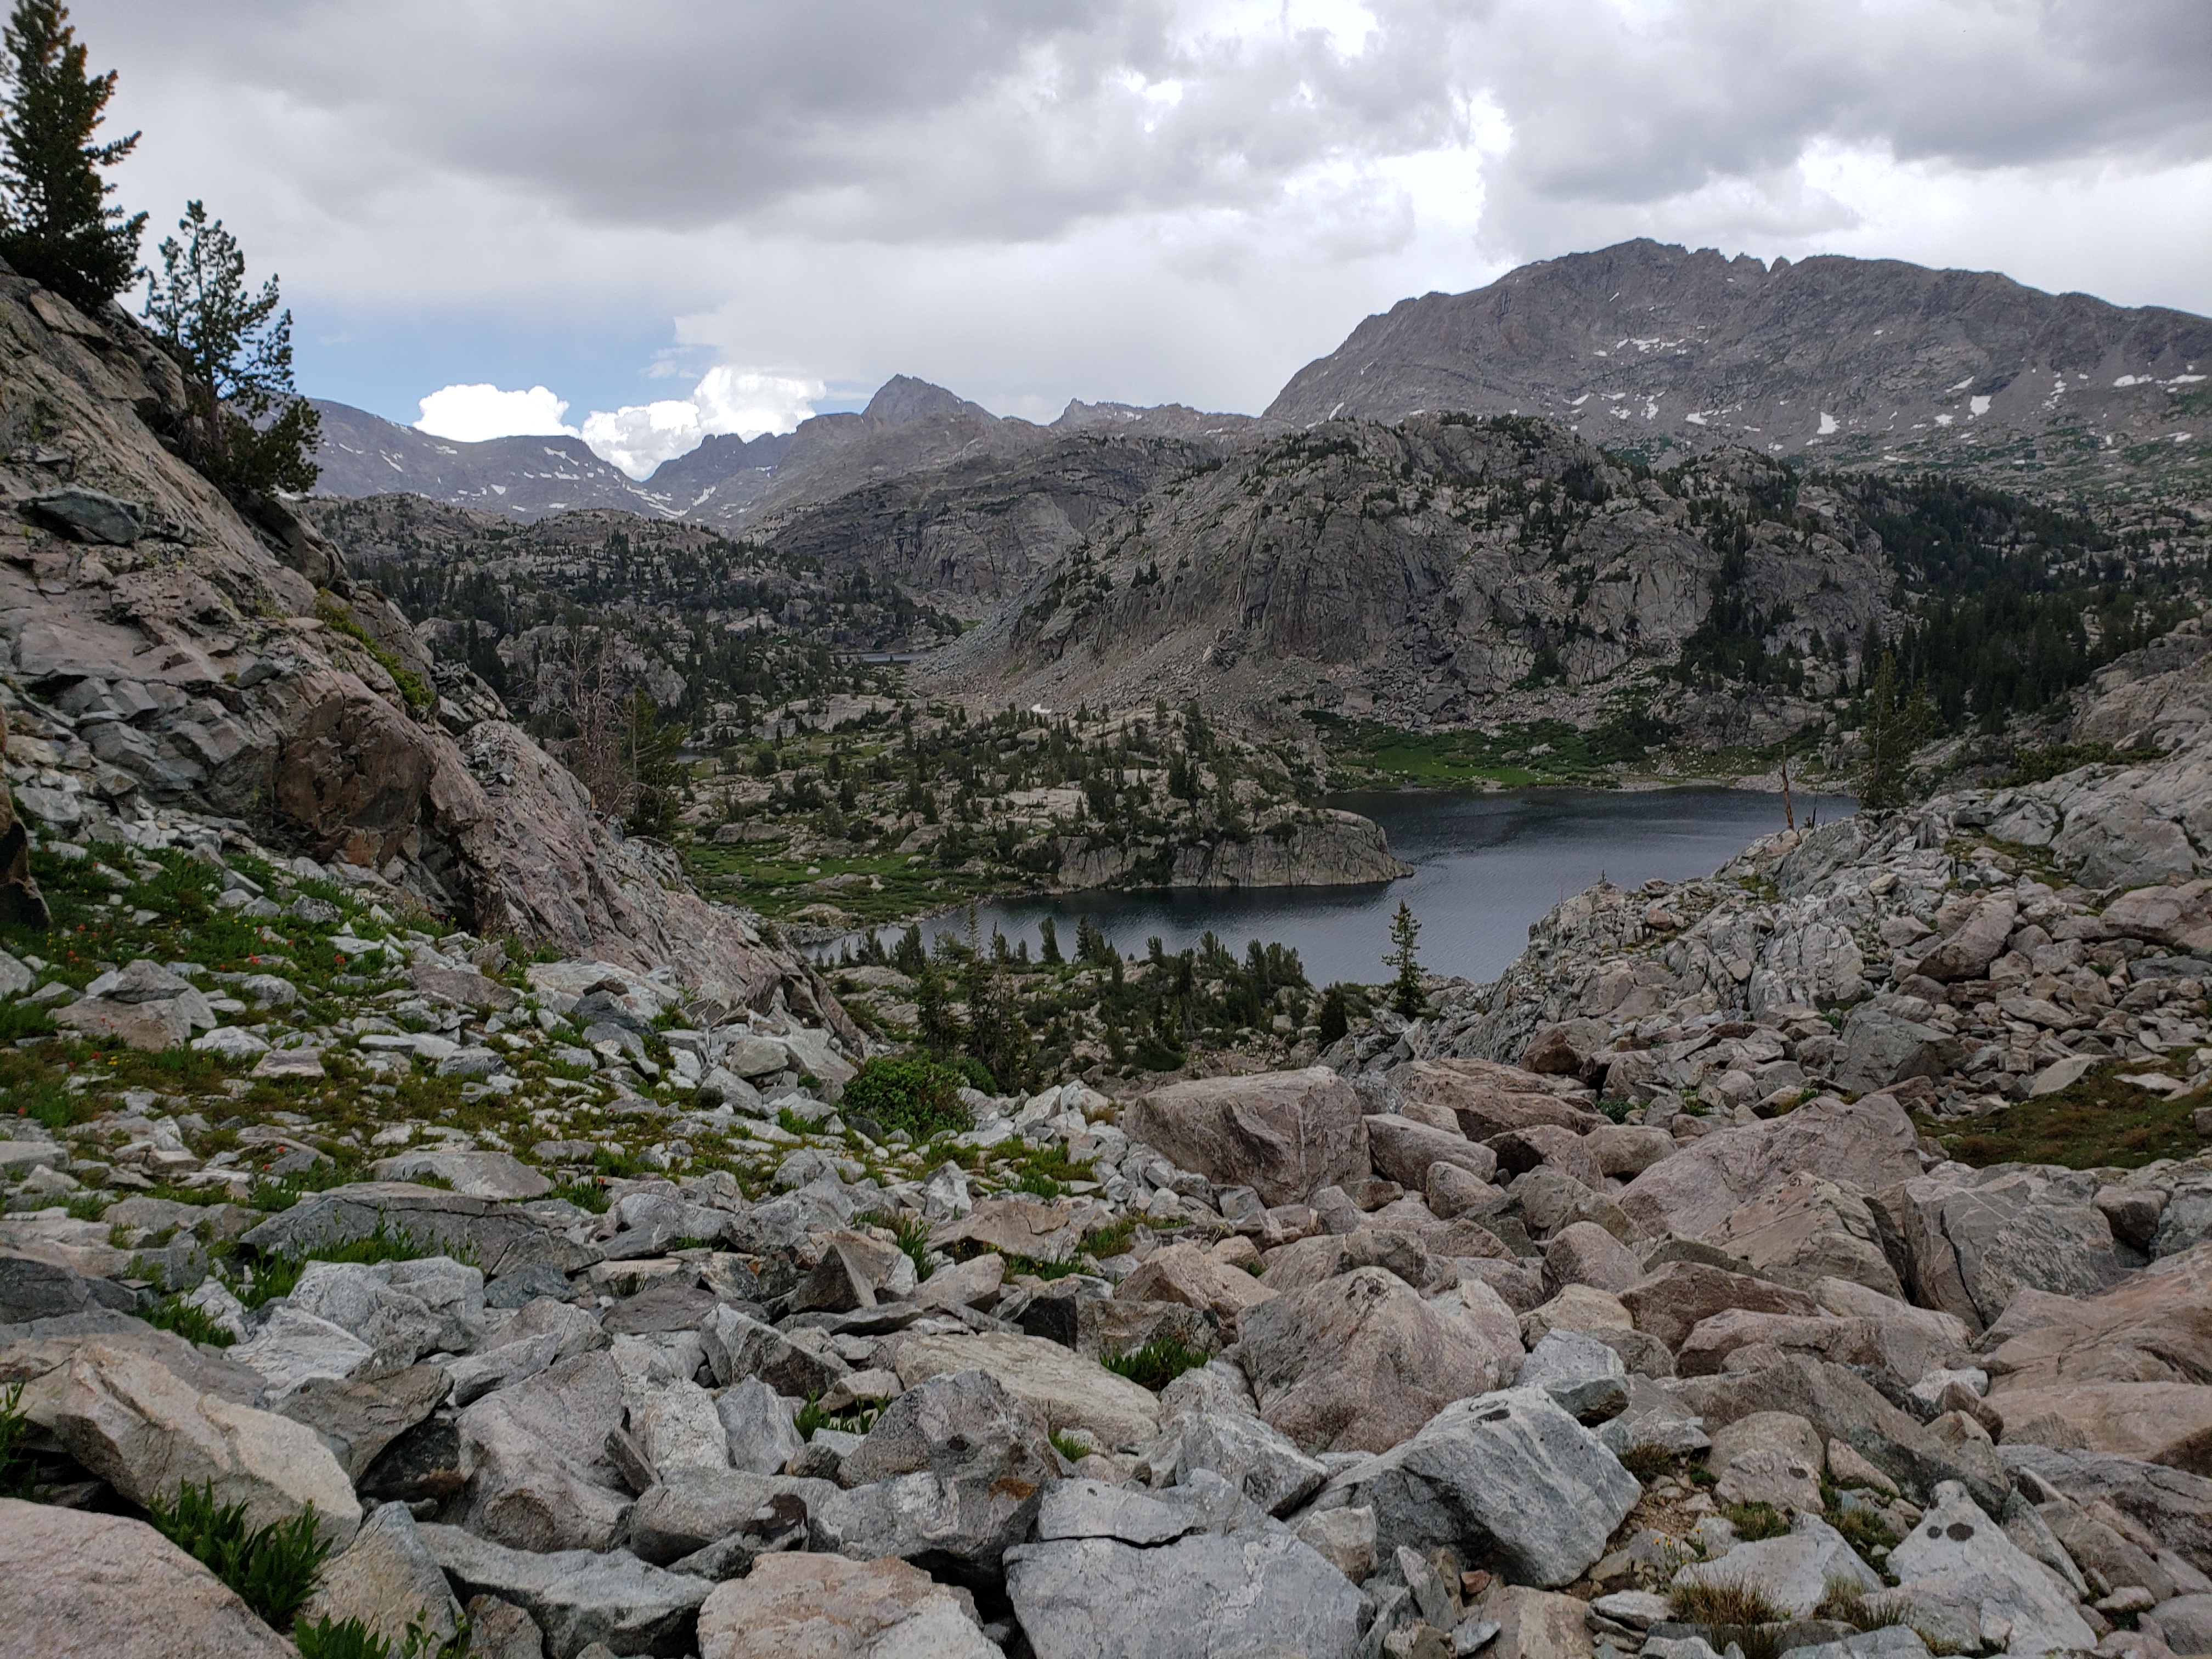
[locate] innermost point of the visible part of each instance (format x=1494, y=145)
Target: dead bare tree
x=593, y=693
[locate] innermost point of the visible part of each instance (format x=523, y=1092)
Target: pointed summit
x=903, y=398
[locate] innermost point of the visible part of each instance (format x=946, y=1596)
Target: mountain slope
x=1656, y=351
x=523, y=479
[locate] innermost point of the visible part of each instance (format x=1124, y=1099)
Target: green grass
x=1844, y=1601
x=1864, y=1532
x=1107, y=1242
x=276, y=1275
x=1068, y=1447
x=2098, y=1122
x=412, y=688
x=776, y=886
x=273, y=1569
x=913, y=1234
x=1646, y=1463
x=353, y=1640
x=1735, y=1613
x=811, y=1417
x=175, y=1314
x=1754, y=1521
x=1155, y=1364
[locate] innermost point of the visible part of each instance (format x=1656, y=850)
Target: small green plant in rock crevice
x=277, y=1274
x=273, y=1568
x=1756, y=1521
x=18, y=1469
x=351, y=1639
x=1157, y=1363
x=811, y=1418
x=1069, y=1447
x=175, y=1314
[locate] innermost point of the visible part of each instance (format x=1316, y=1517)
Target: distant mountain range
x=909, y=426
x=1653, y=352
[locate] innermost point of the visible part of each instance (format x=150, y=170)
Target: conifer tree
x=56, y=227
x=1405, y=995
x=248, y=429
x=1896, y=725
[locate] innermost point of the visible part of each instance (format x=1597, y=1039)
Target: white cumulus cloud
x=638, y=437
x=471, y=414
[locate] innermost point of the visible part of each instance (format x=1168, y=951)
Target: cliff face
x=1332, y=849
x=1416, y=571
x=1658, y=350
x=163, y=654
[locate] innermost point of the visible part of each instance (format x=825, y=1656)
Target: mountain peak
x=902, y=398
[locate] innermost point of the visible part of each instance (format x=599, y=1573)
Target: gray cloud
x=1159, y=198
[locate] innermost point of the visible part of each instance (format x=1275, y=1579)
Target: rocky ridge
x=174, y=674
x=1661, y=352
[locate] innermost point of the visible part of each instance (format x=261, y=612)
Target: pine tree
x=1049, y=936
x=1405, y=997
x=248, y=428
x=55, y=225
x=1896, y=724
x=1335, y=1018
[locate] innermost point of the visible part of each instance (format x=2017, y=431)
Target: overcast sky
x=647, y=220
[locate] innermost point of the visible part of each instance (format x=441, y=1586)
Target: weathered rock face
x=2126, y=1368
x=807, y=1604
x=110, y=1585
x=1263, y=571
x=1809, y=1229
x=21, y=900
x=1976, y=1240
x=1510, y=1473
x=1871, y=1145
x=1282, y=1134
x=1118, y=1572
x=1958, y=1559
x=1359, y=1363
x=146, y=1430
x=181, y=657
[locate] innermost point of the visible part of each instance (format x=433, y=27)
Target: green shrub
x=1155, y=1364
x=975, y=1073
x=273, y=1568
x=915, y=1094
x=351, y=1640
x=175, y=1314
x=1646, y=1462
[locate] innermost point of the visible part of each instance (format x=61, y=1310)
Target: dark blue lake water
x=1486, y=866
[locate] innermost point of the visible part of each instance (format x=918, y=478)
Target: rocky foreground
x=1624, y=1307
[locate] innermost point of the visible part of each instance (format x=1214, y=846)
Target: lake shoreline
x=1485, y=866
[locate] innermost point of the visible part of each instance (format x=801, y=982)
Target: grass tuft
x=1069, y=1447
x=175, y=1314
x=1646, y=1463
x=1155, y=1364
x=1753, y=1522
